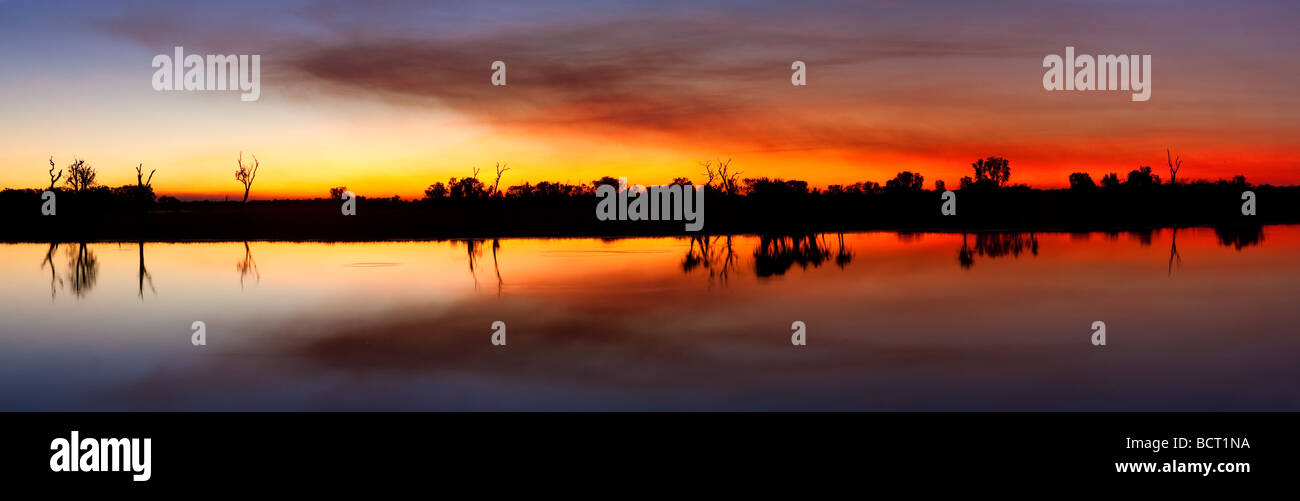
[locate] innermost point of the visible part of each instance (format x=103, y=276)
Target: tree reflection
x=1239, y=236
x=55, y=281
x=1174, y=258
x=83, y=269
x=777, y=254
x=716, y=255
x=143, y=275
x=247, y=266
x=995, y=245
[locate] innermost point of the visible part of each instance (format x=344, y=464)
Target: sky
x=388, y=97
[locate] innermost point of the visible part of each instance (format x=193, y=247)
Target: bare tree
x=54, y=178
x=708, y=171
x=727, y=181
x=246, y=174
x=501, y=169
x=1174, y=165
x=139, y=176
x=80, y=175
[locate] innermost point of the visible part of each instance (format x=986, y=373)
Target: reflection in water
x=496, y=245
x=996, y=245
x=55, y=281
x=83, y=269
x=1239, y=237
x=247, y=266
x=143, y=275
x=842, y=255
x=716, y=255
x=414, y=337
x=777, y=254
x=474, y=250
x=1174, y=258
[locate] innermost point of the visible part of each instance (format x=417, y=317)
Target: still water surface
x=1196, y=319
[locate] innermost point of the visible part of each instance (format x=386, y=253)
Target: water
x=1196, y=320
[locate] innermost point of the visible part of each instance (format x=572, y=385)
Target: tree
x=1142, y=177
x=469, y=187
x=1081, y=181
x=905, y=181
x=603, y=181
x=939, y=185
x=80, y=175
x=337, y=192
x=54, y=178
x=728, y=182
x=1110, y=180
x=501, y=169
x=246, y=173
x=1174, y=166
x=995, y=171
x=139, y=176
x=435, y=190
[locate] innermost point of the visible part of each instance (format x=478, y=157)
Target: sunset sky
x=389, y=97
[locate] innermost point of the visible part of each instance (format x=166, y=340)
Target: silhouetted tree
x=1142, y=177
x=140, y=181
x=1174, y=166
x=995, y=171
x=80, y=175
x=728, y=181
x=605, y=181
x=1110, y=180
x=467, y=188
x=939, y=185
x=501, y=169
x=54, y=178
x=246, y=174
x=337, y=192
x=436, y=190
x=1081, y=181
x=905, y=181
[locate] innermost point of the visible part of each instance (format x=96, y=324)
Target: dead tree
x=54, y=178
x=246, y=174
x=139, y=176
x=1174, y=165
x=727, y=180
x=708, y=171
x=501, y=169
x=80, y=175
